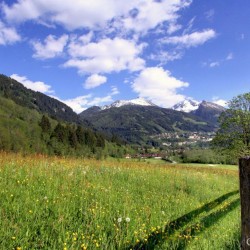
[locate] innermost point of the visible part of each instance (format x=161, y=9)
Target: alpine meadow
x=60, y=203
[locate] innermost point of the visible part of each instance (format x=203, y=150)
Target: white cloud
x=220, y=102
x=159, y=86
x=98, y=101
x=214, y=64
x=105, y=56
x=81, y=103
x=166, y=56
x=173, y=27
x=50, y=48
x=114, y=90
x=94, y=81
x=229, y=56
x=191, y=40
x=36, y=86
x=210, y=14
x=8, y=35
x=137, y=15
x=151, y=13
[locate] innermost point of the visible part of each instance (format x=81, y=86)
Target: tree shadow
x=157, y=238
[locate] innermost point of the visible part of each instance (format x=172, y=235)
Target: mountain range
x=135, y=121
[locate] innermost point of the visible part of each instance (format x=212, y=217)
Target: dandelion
x=127, y=219
x=119, y=220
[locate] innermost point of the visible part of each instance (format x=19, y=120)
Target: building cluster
x=170, y=139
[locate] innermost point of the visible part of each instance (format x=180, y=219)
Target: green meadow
x=65, y=203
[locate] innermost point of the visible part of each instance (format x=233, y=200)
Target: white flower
x=127, y=219
x=119, y=219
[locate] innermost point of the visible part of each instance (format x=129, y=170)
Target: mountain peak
x=212, y=105
x=187, y=105
x=138, y=101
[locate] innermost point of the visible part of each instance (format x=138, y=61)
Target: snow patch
x=138, y=101
x=187, y=105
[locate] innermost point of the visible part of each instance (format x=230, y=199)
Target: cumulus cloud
x=138, y=15
x=220, y=102
x=191, y=40
x=50, y=48
x=150, y=13
x=81, y=103
x=157, y=85
x=94, y=81
x=214, y=64
x=106, y=56
x=36, y=86
x=8, y=35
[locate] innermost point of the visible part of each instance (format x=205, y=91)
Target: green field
x=56, y=203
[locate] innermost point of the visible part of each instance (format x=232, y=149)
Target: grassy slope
x=19, y=127
x=52, y=203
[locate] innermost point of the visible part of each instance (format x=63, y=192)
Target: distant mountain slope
x=208, y=111
x=11, y=89
x=135, y=123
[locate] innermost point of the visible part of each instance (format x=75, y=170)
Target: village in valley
x=187, y=139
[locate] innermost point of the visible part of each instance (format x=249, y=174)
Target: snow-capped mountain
x=138, y=101
x=187, y=105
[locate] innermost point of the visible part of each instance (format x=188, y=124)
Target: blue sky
x=94, y=52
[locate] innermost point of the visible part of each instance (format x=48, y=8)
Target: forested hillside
x=28, y=131
x=11, y=89
x=136, y=124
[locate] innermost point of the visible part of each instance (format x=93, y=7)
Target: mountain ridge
x=119, y=103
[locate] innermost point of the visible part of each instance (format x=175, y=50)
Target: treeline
x=72, y=139
x=206, y=156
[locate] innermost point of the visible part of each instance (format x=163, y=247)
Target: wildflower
x=119, y=220
x=127, y=219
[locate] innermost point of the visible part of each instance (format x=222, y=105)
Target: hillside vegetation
x=135, y=124
x=55, y=203
x=23, y=130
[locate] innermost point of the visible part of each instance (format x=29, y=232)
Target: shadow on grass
x=157, y=238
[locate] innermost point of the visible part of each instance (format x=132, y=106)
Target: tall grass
x=56, y=203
